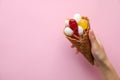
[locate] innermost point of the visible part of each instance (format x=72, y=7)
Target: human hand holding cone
x=79, y=36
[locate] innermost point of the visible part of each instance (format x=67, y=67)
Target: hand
x=97, y=49
x=101, y=59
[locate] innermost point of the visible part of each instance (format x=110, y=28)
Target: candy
x=76, y=32
x=68, y=31
x=80, y=30
x=83, y=23
x=74, y=26
x=77, y=17
x=67, y=22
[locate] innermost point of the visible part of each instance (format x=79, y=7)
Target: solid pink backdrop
x=32, y=44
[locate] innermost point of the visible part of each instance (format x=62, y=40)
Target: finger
x=94, y=43
x=92, y=37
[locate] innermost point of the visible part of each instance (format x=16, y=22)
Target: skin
x=101, y=61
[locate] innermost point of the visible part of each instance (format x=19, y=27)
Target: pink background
x=32, y=44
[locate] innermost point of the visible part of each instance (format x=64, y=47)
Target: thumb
x=92, y=38
x=94, y=43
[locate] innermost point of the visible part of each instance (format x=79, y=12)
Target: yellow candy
x=83, y=23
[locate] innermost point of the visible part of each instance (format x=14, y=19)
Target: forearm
x=108, y=71
x=101, y=60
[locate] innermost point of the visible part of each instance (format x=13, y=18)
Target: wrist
x=104, y=65
x=108, y=70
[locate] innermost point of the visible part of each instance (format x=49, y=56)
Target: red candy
x=76, y=32
x=74, y=26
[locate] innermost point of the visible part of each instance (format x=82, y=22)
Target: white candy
x=77, y=17
x=68, y=31
x=80, y=30
x=66, y=23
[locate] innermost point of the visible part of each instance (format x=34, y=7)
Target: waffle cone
x=83, y=44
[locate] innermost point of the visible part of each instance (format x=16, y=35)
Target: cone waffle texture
x=83, y=44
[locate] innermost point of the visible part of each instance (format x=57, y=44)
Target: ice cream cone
x=82, y=43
